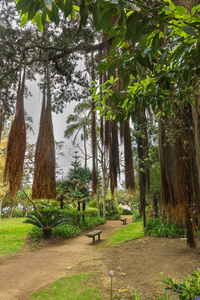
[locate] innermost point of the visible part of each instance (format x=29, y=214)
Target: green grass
x=82, y=286
x=12, y=232
x=130, y=232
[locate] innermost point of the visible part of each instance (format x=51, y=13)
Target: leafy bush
x=91, y=212
x=46, y=219
x=18, y=213
x=65, y=231
x=168, y=229
x=40, y=204
x=71, y=215
x=136, y=217
x=113, y=217
x=91, y=222
x=186, y=290
x=113, y=210
x=35, y=233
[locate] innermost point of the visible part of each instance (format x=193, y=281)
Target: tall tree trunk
x=93, y=113
x=144, y=176
x=129, y=168
x=44, y=183
x=16, y=146
x=177, y=168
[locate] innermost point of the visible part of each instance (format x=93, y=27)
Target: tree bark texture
x=178, y=168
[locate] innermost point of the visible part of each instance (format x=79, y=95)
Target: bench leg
x=99, y=236
x=93, y=239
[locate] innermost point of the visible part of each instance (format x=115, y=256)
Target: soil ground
x=136, y=264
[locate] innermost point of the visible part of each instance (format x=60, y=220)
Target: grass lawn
x=83, y=286
x=12, y=233
x=130, y=232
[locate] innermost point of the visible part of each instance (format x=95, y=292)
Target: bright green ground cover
x=12, y=233
x=76, y=287
x=130, y=232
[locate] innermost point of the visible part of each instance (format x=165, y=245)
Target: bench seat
x=123, y=220
x=93, y=233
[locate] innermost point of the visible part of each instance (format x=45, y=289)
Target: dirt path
x=28, y=271
x=137, y=264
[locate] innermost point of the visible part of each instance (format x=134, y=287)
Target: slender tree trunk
x=85, y=146
x=144, y=176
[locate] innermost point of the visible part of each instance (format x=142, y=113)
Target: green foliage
x=137, y=217
x=113, y=210
x=46, y=204
x=35, y=233
x=47, y=219
x=66, y=231
x=18, y=213
x=188, y=289
x=72, y=215
x=91, y=222
x=168, y=229
x=79, y=176
x=91, y=212
x=63, y=231
x=76, y=287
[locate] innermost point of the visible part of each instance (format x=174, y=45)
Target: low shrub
x=91, y=212
x=18, y=213
x=89, y=223
x=189, y=289
x=72, y=215
x=40, y=204
x=113, y=210
x=168, y=229
x=136, y=217
x=113, y=217
x=66, y=231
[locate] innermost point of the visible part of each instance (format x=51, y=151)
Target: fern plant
x=46, y=220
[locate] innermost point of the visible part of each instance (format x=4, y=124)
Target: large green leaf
x=149, y=29
x=104, y=20
x=55, y=14
x=96, y=14
x=155, y=44
x=23, y=3
x=33, y=9
x=132, y=23
x=39, y=21
x=163, y=57
x=189, y=30
x=68, y=8
x=84, y=14
x=24, y=19
x=178, y=52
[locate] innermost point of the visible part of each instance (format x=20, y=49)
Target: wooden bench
x=92, y=234
x=123, y=220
